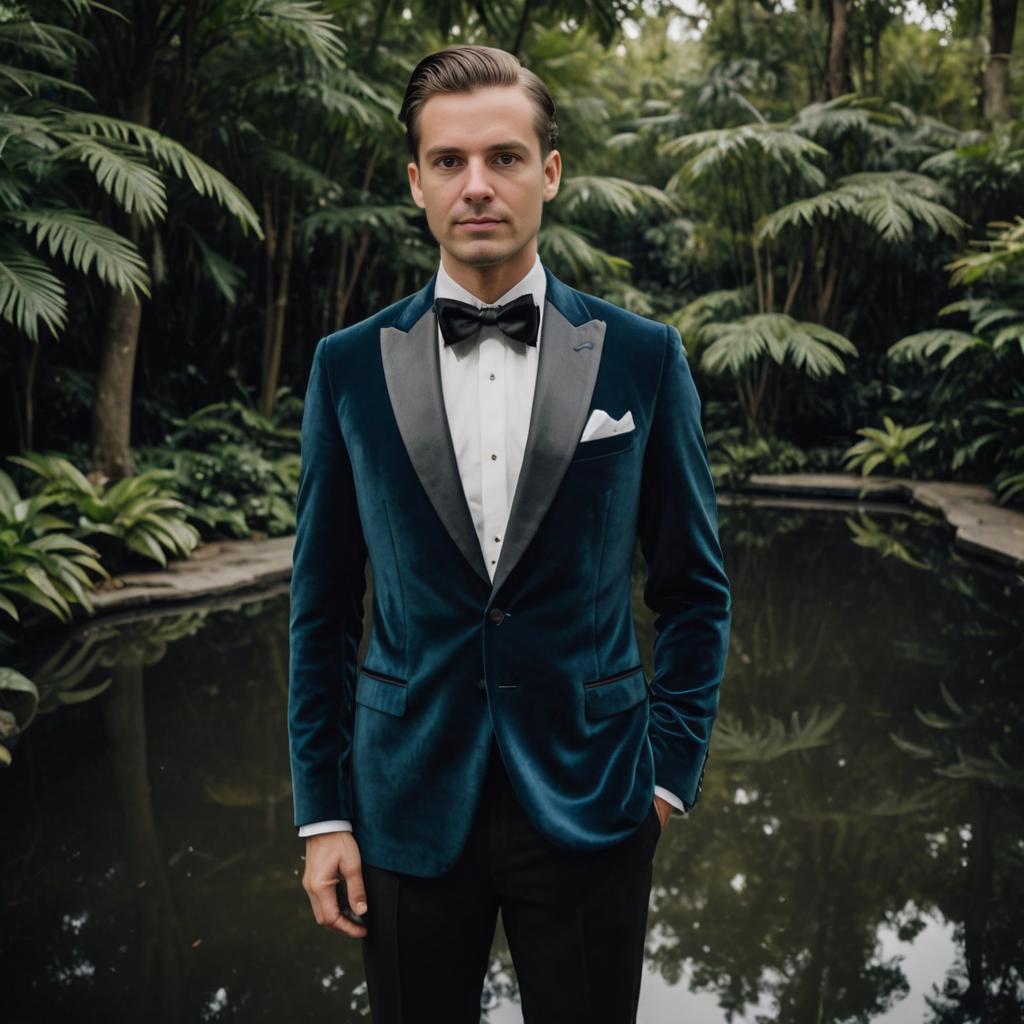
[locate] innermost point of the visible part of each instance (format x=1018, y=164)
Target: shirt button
x=492, y=376
x=496, y=615
x=493, y=457
x=497, y=540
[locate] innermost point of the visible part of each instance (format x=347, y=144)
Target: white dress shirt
x=488, y=390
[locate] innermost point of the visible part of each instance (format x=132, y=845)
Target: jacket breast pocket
x=613, y=444
x=381, y=692
x=612, y=694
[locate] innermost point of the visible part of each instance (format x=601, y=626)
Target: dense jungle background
x=825, y=197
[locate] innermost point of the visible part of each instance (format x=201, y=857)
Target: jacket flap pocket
x=615, y=693
x=604, y=445
x=375, y=691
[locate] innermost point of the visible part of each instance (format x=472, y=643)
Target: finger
x=328, y=913
x=355, y=890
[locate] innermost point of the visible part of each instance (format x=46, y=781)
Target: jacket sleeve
x=686, y=584
x=326, y=616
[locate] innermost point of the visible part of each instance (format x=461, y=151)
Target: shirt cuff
x=671, y=798
x=315, y=828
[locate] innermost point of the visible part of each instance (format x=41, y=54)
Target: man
x=501, y=747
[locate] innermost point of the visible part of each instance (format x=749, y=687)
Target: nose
x=477, y=185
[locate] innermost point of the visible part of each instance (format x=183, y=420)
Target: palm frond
x=725, y=304
x=747, y=146
x=294, y=169
x=206, y=180
x=134, y=184
x=843, y=115
x=924, y=346
x=83, y=242
x=769, y=738
x=225, y=275
x=892, y=203
x=29, y=291
x=618, y=196
x=29, y=129
x=823, y=206
x=54, y=44
x=307, y=22
x=574, y=255
x=32, y=83
x=1002, y=253
x=344, y=219
x=812, y=348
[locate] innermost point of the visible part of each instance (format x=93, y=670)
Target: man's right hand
x=330, y=857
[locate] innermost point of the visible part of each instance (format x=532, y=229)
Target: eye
x=513, y=155
x=439, y=162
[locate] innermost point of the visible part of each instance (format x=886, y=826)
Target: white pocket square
x=601, y=424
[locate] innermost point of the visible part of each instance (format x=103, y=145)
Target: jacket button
x=496, y=615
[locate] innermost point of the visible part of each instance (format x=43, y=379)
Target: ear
x=552, y=174
x=414, y=184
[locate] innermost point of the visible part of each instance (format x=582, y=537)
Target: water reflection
x=855, y=856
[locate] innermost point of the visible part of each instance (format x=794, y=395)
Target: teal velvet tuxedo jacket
x=545, y=657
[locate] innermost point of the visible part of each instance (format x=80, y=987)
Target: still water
x=857, y=853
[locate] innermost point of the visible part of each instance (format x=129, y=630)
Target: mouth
x=480, y=223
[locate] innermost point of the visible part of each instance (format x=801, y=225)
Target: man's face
x=480, y=158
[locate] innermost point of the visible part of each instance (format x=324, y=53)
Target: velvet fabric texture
x=545, y=657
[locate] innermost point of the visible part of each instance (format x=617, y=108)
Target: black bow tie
x=461, y=321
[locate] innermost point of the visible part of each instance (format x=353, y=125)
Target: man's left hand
x=664, y=809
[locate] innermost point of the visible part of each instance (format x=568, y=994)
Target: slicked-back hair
x=464, y=68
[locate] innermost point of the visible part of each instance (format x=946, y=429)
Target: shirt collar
x=535, y=281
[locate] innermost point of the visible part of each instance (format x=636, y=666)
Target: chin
x=483, y=252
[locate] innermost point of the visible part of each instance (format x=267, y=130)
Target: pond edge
x=982, y=528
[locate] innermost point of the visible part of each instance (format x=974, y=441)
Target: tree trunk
x=269, y=275
x=154, y=958
x=112, y=405
x=24, y=403
x=521, y=27
x=997, y=70
x=837, y=76
x=272, y=361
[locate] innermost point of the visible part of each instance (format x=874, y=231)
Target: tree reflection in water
x=862, y=798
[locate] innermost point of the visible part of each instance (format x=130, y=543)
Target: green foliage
x=748, y=348
x=45, y=143
x=725, y=304
x=995, y=767
x=807, y=347
x=973, y=381
x=137, y=514
x=19, y=699
x=720, y=152
x=893, y=445
x=1000, y=256
x=889, y=543
x=769, y=738
x=734, y=459
x=41, y=562
x=890, y=203
x=236, y=469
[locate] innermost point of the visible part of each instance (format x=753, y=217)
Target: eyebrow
x=438, y=150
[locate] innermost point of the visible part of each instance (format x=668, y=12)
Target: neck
x=489, y=282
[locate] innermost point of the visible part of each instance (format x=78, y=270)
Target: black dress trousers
x=576, y=923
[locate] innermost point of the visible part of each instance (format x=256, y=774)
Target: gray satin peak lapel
x=567, y=365
x=412, y=370
x=566, y=371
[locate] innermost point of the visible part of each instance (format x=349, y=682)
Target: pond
x=856, y=854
